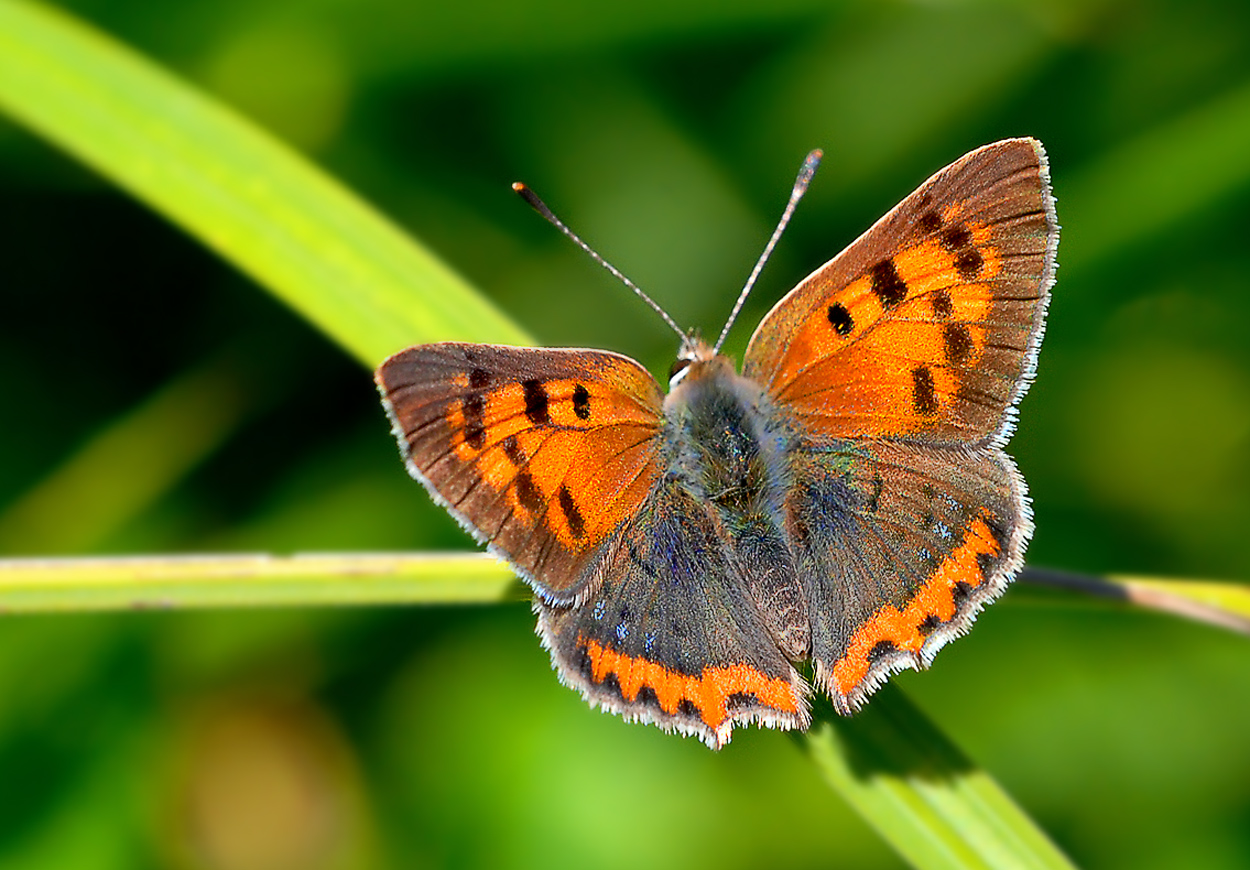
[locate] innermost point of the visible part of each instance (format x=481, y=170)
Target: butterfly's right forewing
x=541, y=453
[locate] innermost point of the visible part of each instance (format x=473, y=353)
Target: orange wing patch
x=540, y=452
x=709, y=692
x=925, y=326
x=905, y=629
x=887, y=355
x=528, y=440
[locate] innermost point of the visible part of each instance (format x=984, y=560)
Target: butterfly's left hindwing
x=899, y=547
x=541, y=453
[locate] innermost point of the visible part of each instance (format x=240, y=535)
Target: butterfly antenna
x=800, y=187
x=541, y=207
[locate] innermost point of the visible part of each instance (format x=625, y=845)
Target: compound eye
x=679, y=366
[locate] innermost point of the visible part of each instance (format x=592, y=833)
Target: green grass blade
x=1222, y=604
x=921, y=793
x=257, y=203
x=160, y=582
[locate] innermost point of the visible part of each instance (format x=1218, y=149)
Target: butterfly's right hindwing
x=671, y=635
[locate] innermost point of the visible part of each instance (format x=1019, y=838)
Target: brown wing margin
x=540, y=453
x=928, y=325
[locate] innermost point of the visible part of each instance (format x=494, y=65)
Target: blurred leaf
x=1156, y=180
x=83, y=829
x=921, y=793
x=125, y=468
x=261, y=206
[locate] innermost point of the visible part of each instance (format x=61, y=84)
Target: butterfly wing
x=671, y=635
x=899, y=548
x=899, y=363
x=540, y=453
x=927, y=325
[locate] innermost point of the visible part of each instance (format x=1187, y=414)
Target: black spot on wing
x=929, y=222
x=649, y=699
x=581, y=402
x=582, y=663
x=527, y=492
x=880, y=650
x=887, y=285
x=957, y=342
x=479, y=379
x=577, y=524
x=474, y=408
x=942, y=306
x=969, y=263
x=923, y=393
x=536, y=402
x=512, y=450
x=840, y=319
x=956, y=238
x=960, y=593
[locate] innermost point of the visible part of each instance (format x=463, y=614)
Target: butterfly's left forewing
x=927, y=326
x=541, y=453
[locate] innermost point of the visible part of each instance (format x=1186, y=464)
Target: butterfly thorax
x=729, y=449
x=728, y=444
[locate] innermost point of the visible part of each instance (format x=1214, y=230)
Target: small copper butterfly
x=845, y=500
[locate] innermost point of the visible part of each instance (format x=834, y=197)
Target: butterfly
x=845, y=500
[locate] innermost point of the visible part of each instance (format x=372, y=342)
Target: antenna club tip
x=810, y=164
x=535, y=203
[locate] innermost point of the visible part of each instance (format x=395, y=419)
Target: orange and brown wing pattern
x=928, y=325
x=541, y=453
x=900, y=546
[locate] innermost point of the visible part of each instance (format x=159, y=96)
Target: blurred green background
x=155, y=401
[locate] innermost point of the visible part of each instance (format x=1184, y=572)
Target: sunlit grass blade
x=256, y=202
x=1223, y=604
x=179, y=582
x=921, y=793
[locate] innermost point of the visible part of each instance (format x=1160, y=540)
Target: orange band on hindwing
x=907, y=628
x=709, y=692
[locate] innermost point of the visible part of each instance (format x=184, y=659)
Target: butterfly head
x=693, y=350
